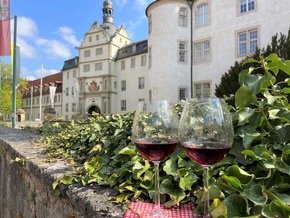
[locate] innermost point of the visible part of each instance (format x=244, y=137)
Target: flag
x=5, y=28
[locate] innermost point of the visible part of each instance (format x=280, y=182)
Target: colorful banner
x=5, y=34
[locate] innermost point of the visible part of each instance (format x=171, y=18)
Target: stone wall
x=26, y=184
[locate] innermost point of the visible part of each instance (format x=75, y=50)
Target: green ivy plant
x=252, y=181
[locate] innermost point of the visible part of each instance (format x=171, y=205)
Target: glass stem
x=206, y=192
x=157, y=187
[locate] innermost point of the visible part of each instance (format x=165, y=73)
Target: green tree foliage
x=229, y=84
x=6, y=89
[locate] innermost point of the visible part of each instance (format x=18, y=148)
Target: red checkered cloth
x=143, y=209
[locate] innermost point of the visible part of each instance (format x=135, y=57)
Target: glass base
x=157, y=213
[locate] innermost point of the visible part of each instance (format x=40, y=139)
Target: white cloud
x=68, y=35
x=141, y=5
x=121, y=3
x=26, y=27
x=54, y=49
x=26, y=50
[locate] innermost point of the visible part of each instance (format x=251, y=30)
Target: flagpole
x=14, y=75
x=40, y=100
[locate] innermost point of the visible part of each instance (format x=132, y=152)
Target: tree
x=6, y=90
x=229, y=84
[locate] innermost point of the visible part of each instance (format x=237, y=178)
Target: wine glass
x=206, y=135
x=155, y=134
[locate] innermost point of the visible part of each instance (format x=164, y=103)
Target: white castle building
x=190, y=45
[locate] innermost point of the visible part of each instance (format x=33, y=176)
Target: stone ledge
x=36, y=176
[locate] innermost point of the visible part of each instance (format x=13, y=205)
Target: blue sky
x=49, y=30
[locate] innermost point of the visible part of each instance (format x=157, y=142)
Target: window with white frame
x=72, y=90
x=183, y=93
x=182, y=52
x=203, y=15
x=98, y=66
x=247, y=6
x=123, y=85
x=143, y=60
x=123, y=105
x=202, y=90
x=86, y=67
x=247, y=42
x=141, y=82
x=99, y=51
x=133, y=62
x=123, y=65
x=87, y=53
x=182, y=17
x=202, y=51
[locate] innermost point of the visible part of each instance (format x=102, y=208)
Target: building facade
x=190, y=45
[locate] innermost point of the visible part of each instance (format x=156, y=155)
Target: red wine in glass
x=155, y=151
x=205, y=155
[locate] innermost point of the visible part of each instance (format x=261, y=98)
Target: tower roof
x=108, y=15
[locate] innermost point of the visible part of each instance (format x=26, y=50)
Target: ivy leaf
x=244, y=97
x=256, y=195
x=237, y=206
x=170, y=167
x=240, y=174
x=244, y=114
x=232, y=181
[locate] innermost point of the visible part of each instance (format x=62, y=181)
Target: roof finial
x=108, y=12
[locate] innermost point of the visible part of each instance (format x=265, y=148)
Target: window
x=67, y=75
x=66, y=91
x=123, y=65
x=73, y=107
x=202, y=90
x=86, y=68
x=202, y=15
x=97, y=37
x=150, y=57
x=90, y=39
x=182, y=93
x=133, y=62
x=143, y=60
x=87, y=53
x=123, y=85
x=98, y=66
x=247, y=42
x=141, y=83
x=182, y=52
x=106, y=84
x=66, y=107
x=123, y=105
x=72, y=90
x=150, y=24
x=247, y=5
x=99, y=51
x=202, y=51
x=74, y=73
x=182, y=17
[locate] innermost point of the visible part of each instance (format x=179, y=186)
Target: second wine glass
x=206, y=134
x=155, y=134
